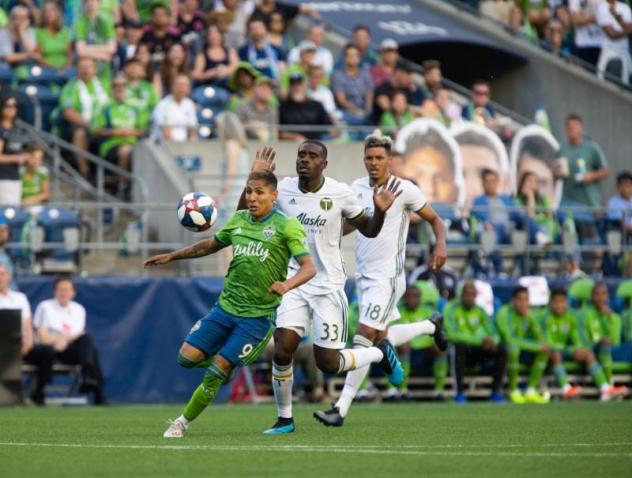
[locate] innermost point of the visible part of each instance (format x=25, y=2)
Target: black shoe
x=38, y=398
x=440, y=337
x=283, y=425
x=330, y=418
x=89, y=385
x=390, y=363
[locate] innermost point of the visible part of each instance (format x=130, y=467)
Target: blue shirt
x=265, y=59
x=620, y=208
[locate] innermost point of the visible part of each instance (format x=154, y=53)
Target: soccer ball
x=197, y=212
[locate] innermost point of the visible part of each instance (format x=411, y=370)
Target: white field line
x=342, y=449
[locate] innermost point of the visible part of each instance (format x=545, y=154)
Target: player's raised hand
x=384, y=197
x=264, y=159
x=278, y=288
x=439, y=256
x=158, y=260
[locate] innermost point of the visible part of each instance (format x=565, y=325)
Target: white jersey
x=68, y=321
x=383, y=256
x=590, y=35
x=321, y=213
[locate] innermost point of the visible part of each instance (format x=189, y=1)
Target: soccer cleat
x=614, y=393
x=176, y=429
x=330, y=418
x=440, y=337
x=516, y=396
x=282, y=426
x=535, y=397
x=390, y=363
x=574, y=391
x=460, y=398
x=497, y=398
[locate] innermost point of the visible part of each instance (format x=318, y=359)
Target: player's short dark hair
x=559, y=291
x=486, y=172
x=320, y=144
x=350, y=46
x=158, y=6
x=574, y=117
x=624, y=176
x=482, y=82
x=268, y=177
x=376, y=140
x=599, y=284
x=519, y=290
x=358, y=28
x=63, y=278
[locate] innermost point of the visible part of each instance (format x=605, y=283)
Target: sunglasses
x=10, y=105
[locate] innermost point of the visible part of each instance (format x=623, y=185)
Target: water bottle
x=542, y=118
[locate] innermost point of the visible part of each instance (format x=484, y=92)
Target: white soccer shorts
x=329, y=314
x=377, y=300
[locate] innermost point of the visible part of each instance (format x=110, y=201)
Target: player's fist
x=439, y=256
x=158, y=260
x=278, y=288
x=384, y=197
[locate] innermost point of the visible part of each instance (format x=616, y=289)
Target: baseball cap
x=263, y=80
x=306, y=45
x=297, y=76
x=389, y=44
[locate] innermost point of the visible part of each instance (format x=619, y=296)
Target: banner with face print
x=432, y=160
x=481, y=149
x=534, y=150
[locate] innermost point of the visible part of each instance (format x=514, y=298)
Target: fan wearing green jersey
x=520, y=332
x=239, y=326
x=564, y=336
x=601, y=328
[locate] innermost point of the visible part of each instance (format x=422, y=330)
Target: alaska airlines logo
x=252, y=249
x=305, y=220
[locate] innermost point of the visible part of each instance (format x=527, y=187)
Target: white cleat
x=614, y=393
x=176, y=429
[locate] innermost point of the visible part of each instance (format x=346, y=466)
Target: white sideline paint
x=344, y=449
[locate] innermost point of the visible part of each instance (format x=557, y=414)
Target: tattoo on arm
x=201, y=248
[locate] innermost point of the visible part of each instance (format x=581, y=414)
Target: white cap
x=389, y=44
x=306, y=45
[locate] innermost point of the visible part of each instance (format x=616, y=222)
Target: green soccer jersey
x=468, y=326
x=144, y=97
x=54, y=47
x=261, y=254
x=562, y=332
x=119, y=115
x=519, y=331
x=97, y=31
x=597, y=326
x=408, y=316
x=32, y=182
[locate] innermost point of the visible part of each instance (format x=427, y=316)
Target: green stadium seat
x=579, y=292
x=429, y=292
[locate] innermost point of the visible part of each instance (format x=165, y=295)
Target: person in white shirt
x=175, y=118
x=322, y=204
x=41, y=356
x=61, y=323
x=588, y=35
x=318, y=92
x=323, y=57
x=380, y=275
x=615, y=18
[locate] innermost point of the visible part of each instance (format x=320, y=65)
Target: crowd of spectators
x=592, y=30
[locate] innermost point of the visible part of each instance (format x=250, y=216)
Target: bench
x=66, y=392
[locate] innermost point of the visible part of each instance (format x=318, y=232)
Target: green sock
x=440, y=370
x=560, y=374
x=596, y=372
x=205, y=393
x=405, y=360
x=605, y=359
x=537, y=369
x=513, y=368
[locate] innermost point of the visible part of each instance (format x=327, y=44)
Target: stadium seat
x=47, y=98
x=60, y=225
x=579, y=292
x=6, y=75
x=16, y=218
x=210, y=96
x=623, y=296
x=45, y=77
x=455, y=225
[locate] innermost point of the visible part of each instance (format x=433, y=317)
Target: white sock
x=530, y=391
x=604, y=387
x=404, y=333
x=352, y=384
x=183, y=420
x=282, y=382
x=566, y=387
x=352, y=359
x=354, y=378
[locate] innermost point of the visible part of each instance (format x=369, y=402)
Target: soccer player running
x=239, y=326
x=321, y=204
x=380, y=275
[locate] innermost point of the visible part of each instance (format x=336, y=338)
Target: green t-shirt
x=391, y=125
x=261, y=254
x=408, y=316
x=626, y=322
x=597, y=326
x=144, y=8
x=119, y=115
x=71, y=98
x=3, y=18
x=144, y=97
x=562, y=332
x=54, y=47
x=518, y=331
x=468, y=327
x=32, y=183
x=581, y=159
x=97, y=31
x=107, y=9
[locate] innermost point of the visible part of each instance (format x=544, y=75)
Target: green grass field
x=566, y=439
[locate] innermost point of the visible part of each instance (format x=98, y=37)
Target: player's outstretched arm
x=306, y=272
x=201, y=248
x=264, y=161
x=383, y=198
x=439, y=253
